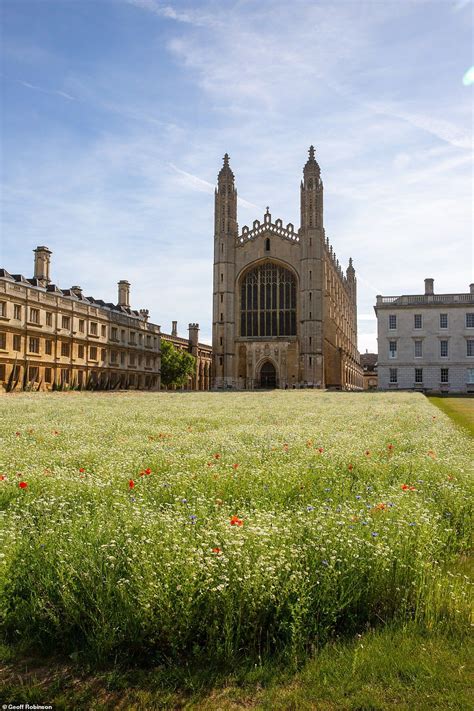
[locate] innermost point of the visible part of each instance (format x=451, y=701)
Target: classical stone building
x=201, y=380
x=52, y=336
x=284, y=313
x=426, y=341
x=368, y=362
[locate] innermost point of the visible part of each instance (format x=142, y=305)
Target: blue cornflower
x=310, y=508
x=374, y=533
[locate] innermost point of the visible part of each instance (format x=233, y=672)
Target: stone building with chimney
x=56, y=337
x=201, y=380
x=284, y=312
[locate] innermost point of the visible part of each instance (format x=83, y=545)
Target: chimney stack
x=193, y=338
x=77, y=291
x=42, y=262
x=124, y=293
x=144, y=313
x=174, y=328
x=429, y=286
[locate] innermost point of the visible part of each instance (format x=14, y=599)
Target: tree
x=176, y=365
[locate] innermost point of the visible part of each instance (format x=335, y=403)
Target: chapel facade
x=284, y=312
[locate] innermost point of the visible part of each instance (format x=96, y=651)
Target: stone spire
x=311, y=199
x=226, y=175
x=312, y=166
x=226, y=201
x=350, y=271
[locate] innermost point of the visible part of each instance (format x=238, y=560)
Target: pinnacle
x=225, y=172
x=312, y=162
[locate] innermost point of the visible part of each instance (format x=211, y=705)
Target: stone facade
x=59, y=337
x=368, y=362
x=284, y=313
x=426, y=341
x=201, y=380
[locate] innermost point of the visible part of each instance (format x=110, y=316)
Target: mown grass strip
x=459, y=409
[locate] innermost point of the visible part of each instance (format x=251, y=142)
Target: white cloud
x=56, y=92
x=440, y=128
x=190, y=17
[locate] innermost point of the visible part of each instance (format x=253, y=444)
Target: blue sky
x=116, y=115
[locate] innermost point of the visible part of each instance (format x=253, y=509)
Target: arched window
x=268, y=302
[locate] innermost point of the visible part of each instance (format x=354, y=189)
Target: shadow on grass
x=396, y=667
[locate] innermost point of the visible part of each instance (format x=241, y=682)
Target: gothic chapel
x=284, y=313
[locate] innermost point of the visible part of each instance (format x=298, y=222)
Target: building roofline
x=68, y=294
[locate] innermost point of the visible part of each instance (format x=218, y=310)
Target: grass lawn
x=459, y=409
x=202, y=550
x=392, y=668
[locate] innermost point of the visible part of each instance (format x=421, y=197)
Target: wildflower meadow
x=171, y=526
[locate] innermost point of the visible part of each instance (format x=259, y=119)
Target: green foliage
x=345, y=516
x=176, y=365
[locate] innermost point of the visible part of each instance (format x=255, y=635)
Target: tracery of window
x=268, y=302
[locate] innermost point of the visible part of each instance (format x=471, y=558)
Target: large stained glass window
x=268, y=302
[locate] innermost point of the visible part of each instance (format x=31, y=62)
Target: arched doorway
x=268, y=376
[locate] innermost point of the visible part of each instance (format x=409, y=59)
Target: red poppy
x=405, y=487
x=320, y=450
x=148, y=471
x=309, y=443
x=381, y=507
x=216, y=550
x=217, y=455
x=131, y=484
x=390, y=447
x=412, y=488
x=235, y=466
x=82, y=470
x=23, y=484
x=18, y=434
x=236, y=521
x=367, y=453
x=2, y=477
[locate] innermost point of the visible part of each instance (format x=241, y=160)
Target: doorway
x=268, y=377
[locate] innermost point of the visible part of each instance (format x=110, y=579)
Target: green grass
x=393, y=668
x=459, y=409
x=160, y=535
